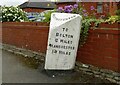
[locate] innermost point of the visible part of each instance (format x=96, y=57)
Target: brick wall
x=110, y=9
x=33, y=10
x=101, y=48
x=29, y=36
x=62, y=4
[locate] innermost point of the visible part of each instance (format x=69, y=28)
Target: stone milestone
x=63, y=41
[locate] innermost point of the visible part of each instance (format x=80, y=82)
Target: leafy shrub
x=86, y=22
x=48, y=16
x=113, y=19
x=0, y=14
x=13, y=14
x=118, y=12
x=78, y=9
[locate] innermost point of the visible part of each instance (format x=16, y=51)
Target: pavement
x=14, y=70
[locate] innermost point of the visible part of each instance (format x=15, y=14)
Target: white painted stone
x=63, y=41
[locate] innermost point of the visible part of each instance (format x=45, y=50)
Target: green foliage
x=88, y=18
x=113, y=19
x=118, y=12
x=48, y=16
x=14, y=14
x=86, y=23
x=0, y=14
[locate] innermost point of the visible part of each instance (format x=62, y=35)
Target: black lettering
x=60, y=35
x=56, y=40
x=73, y=48
x=50, y=45
x=66, y=35
x=56, y=46
x=57, y=34
x=54, y=51
x=70, y=42
x=71, y=36
x=66, y=53
x=69, y=53
x=61, y=41
x=63, y=29
x=66, y=29
x=63, y=35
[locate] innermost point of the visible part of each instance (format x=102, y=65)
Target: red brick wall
x=101, y=48
x=27, y=36
x=87, y=5
x=33, y=10
x=112, y=7
x=65, y=4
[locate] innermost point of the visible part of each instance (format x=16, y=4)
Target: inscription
x=64, y=35
x=63, y=41
x=63, y=38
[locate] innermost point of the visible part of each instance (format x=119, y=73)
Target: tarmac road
x=15, y=71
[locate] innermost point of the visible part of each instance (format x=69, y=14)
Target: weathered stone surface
x=16, y=50
x=85, y=66
x=112, y=80
x=96, y=72
x=109, y=76
x=85, y=69
x=97, y=75
x=11, y=51
x=12, y=48
x=63, y=41
x=106, y=71
x=19, y=53
x=94, y=68
x=27, y=52
x=118, y=82
x=103, y=74
x=20, y=49
x=42, y=59
x=7, y=47
x=36, y=53
x=117, y=78
x=89, y=73
x=76, y=68
x=116, y=74
x=79, y=64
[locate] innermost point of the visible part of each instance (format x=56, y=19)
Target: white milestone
x=63, y=41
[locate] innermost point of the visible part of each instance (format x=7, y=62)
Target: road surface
x=15, y=71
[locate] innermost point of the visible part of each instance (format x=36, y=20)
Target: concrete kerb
x=86, y=68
